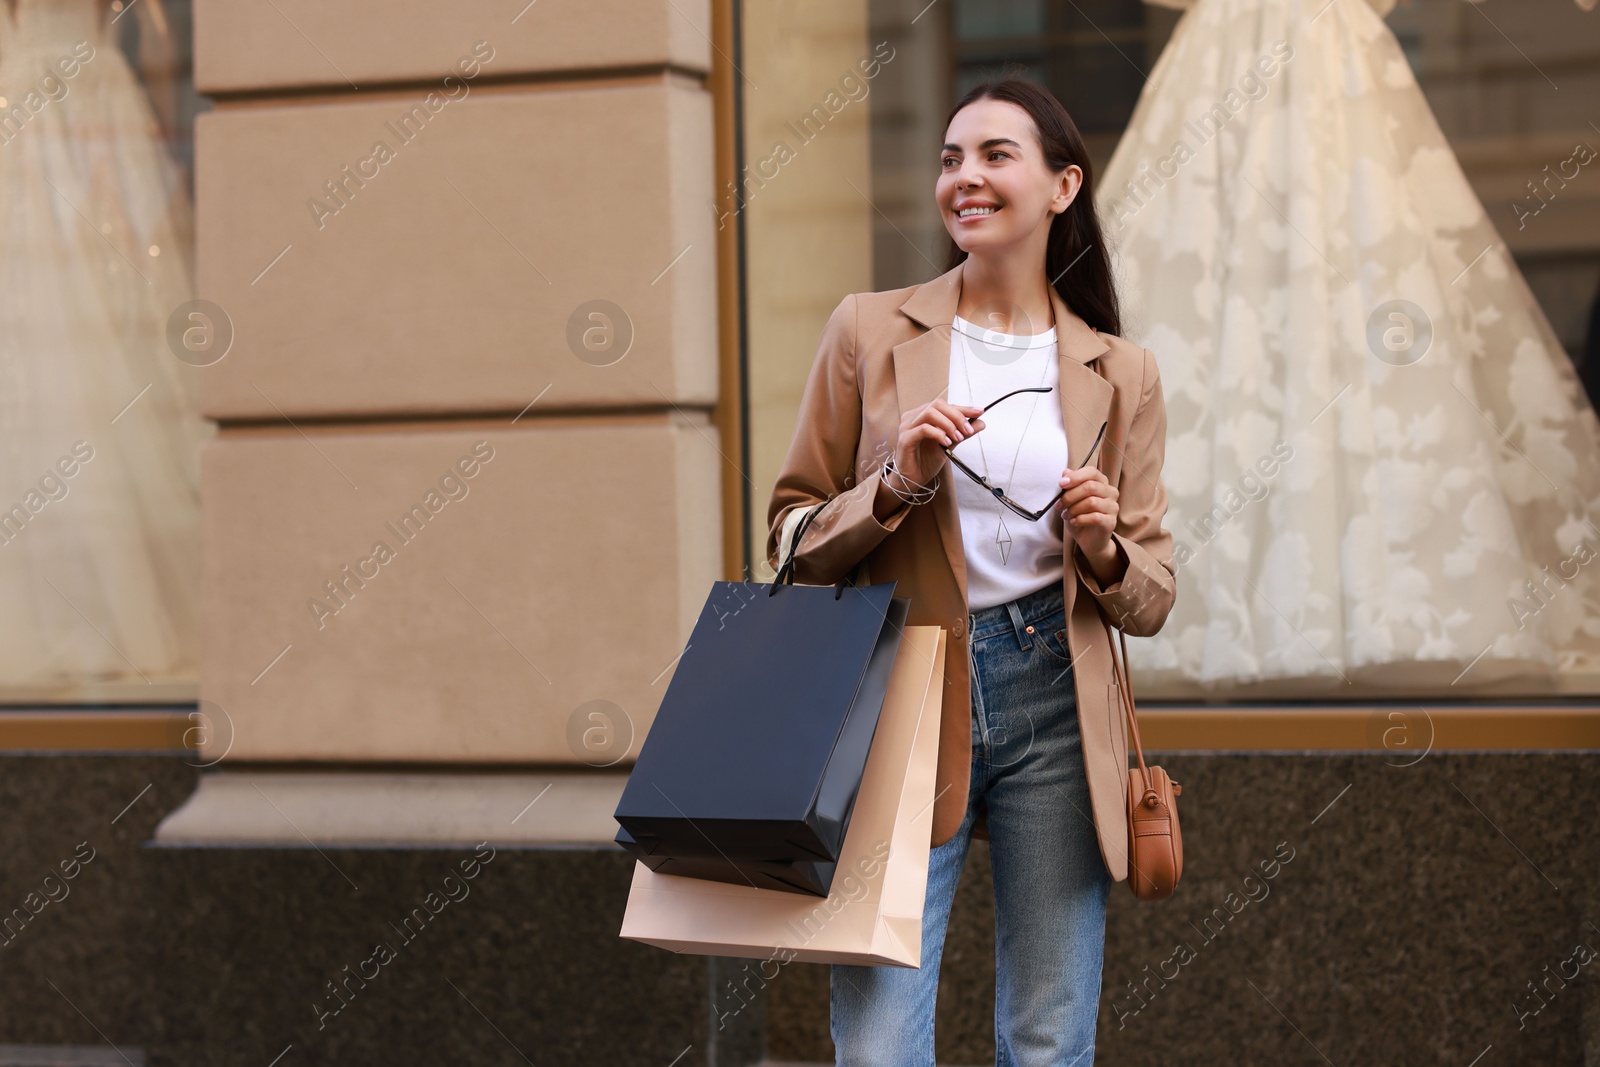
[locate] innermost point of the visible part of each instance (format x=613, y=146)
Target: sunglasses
x=1000, y=494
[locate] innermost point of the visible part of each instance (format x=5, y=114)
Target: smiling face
x=995, y=190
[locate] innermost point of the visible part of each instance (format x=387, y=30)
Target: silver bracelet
x=920, y=494
x=918, y=489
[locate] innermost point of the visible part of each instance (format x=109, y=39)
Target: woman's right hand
x=926, y=431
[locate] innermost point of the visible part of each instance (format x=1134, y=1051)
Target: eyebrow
x=990, y=143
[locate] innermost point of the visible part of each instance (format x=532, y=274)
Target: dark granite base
x=1418, y=906
x=1404, y=930
x=220, y=956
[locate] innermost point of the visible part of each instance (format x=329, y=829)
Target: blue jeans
x=1050, y=883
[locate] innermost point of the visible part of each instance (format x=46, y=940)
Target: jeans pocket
x=1050, y=636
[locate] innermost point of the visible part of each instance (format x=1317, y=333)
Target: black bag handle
x=788, y=567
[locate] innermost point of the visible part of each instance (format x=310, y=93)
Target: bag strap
x=1119, y=671
x=788, y=564
x=788, y=568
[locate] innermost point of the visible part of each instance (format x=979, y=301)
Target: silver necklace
x=1002, y=536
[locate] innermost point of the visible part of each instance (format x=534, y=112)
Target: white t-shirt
x=1026, y=429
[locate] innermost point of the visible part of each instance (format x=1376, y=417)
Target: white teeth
x=964, y=212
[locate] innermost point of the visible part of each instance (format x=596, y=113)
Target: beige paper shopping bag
x=873, y=913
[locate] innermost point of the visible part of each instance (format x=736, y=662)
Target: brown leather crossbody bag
x=1155, y=845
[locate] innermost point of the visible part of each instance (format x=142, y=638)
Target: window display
x=99, y=431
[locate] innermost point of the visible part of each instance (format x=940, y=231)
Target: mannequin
x=99, y=431
x=1382, y=467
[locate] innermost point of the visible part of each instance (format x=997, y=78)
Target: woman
x=1031, y=746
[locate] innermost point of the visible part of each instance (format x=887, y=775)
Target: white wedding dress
x=1351, y=509
x=99, y=568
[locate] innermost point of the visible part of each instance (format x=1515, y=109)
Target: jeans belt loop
x=1024, y=639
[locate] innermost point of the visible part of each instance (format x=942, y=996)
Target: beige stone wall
x=449, y=278
x=809, y=215
x=290, y=44
x=466, y=488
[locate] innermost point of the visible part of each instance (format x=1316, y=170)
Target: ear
x=1067, y=190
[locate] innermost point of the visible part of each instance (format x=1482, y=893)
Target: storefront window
x=100, y=432
x=1508, y=94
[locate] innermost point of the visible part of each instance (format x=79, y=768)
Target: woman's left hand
x=1089, y=512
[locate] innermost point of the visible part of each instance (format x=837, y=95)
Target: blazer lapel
x=1085, y=404
x=922, y=372
x=1085, y=395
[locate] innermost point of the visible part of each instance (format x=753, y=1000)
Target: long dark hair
x=1075, y=238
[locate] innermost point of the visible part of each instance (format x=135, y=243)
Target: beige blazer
x=883, y=354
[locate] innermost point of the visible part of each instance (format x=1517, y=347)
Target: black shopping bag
x=800, y=876
x=750, y=771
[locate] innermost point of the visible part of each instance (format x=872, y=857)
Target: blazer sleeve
x=820, y=466
x=1140, y=602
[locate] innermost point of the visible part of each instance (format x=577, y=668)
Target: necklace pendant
x=1002, y=539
